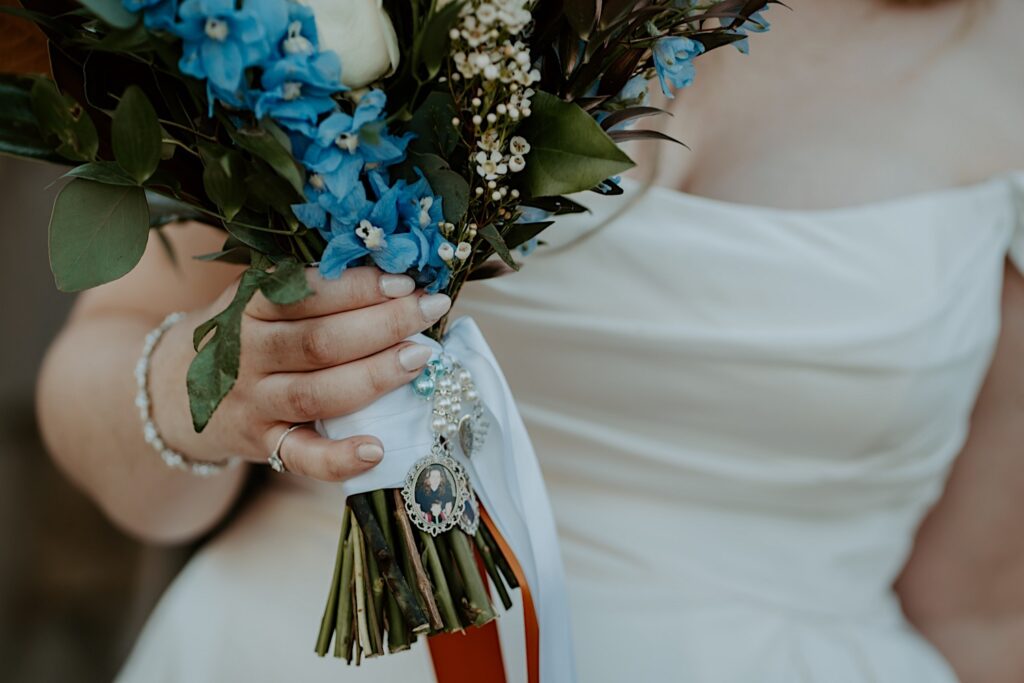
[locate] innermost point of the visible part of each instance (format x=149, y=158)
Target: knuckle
x=395, y=324
x=378, y=377
x=316, y=345
x=304, y=399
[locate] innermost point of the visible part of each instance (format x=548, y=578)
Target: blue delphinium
x=673, y=60
x=158, y=15
x=372, y=231
x=346, y=154
x=221, y=41
x=361, y=134
x=298, y=89
x=756, y=24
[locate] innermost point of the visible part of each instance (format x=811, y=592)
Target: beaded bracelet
x=171, y=458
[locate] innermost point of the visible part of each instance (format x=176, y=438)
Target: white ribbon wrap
x=504, y=473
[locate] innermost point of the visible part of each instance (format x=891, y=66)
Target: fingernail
x=369, y=452
x=395, y=286
x=434, y=306
x=414, y=357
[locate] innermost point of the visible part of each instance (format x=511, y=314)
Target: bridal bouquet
x=428, y=137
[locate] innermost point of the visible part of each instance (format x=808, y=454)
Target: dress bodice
x=742, y=405
x=742, y=415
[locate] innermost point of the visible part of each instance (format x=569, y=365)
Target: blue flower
x=342, y=202
x=634, y=92
x=220, y=41
x=362, y=134
x=673, y=60
x=158, y=15
x=371, y=231
x=297, y=90
x=756, y=24
x=433, y=276
x=301, y=37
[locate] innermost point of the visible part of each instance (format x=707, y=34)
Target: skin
x=330, y=355
x=842, y=103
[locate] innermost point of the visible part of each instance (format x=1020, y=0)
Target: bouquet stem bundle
x=393, y=583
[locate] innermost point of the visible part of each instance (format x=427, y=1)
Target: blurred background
x=73, y=590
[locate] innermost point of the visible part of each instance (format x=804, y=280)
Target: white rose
x=361, y=33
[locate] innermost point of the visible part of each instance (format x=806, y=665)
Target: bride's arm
x=964, y=584
x=329, y=355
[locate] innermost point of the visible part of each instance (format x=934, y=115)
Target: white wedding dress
x=742, y=414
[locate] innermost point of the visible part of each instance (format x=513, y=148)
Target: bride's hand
x=329, y=355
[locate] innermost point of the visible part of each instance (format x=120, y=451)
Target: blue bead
x=423, y=385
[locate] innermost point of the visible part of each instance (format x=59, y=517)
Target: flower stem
x=444, y=596
x=477, y=601
x=343, y=620
x=363, y=629
x=374, y=600
x=386, y=561
x=328, y=622
x=492, y=569
x=426, y=591
x=398, y=630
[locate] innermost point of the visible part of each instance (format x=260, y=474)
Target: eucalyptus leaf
x=264, y=145
x=61, y=117
x=136, y=135
x=111, y=12
x=435, y=39
x=494, y=238
x=97, y=233
x=453, y=189
x=19, y=132
x=106, y=172
x=569, y=151
x=432, y=125
x=521, y=233
x=224, y=181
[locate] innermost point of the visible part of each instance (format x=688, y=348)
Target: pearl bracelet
x=171, y=458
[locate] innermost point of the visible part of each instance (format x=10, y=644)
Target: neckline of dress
x=956, y=192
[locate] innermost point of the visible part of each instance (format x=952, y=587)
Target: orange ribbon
x=475, y=655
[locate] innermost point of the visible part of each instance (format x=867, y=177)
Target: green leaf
x=494, y=238
x=111, y=12
x=286, y=284
x=451, y=186
x=266, y=146
x=136, y=134
x=214, y=370
x=435, y=39
x=521, y=233
x=97, y=233
x=106, y=172
x=224, y=180
x=581, y=15
x=454, y=190
x=60, y=117
x=432, y=125
x=19, y=132
x=569, y=151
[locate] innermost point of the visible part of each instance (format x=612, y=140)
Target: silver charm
x=435, y=492
x=470, y=519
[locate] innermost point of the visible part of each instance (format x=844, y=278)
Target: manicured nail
x=434, y=306
x=414, y=357
x=369, y=452
x=395, y=286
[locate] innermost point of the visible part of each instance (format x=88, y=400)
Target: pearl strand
x=171, y=458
